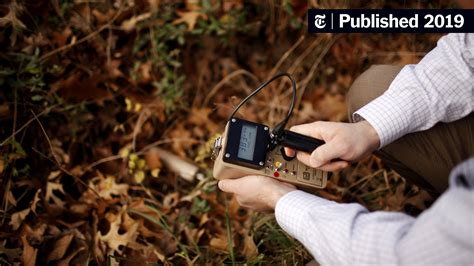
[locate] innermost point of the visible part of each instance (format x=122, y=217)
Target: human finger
x=325, y=153
x=290, y=152
x=312, y=129
x=229, y=185
x=334, y=166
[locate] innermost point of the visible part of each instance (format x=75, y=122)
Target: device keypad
x=278, y=167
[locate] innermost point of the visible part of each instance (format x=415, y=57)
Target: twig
x=86, y=38
x=224, y=81
x=101, y=161
x=285, y=56
x=26, y=124
x=137, y=127
x=312, y=70
x=365, y=178
x=142, y=151
x=67, y=172
x=58, y=164
x=15, y=111
x=47, y=138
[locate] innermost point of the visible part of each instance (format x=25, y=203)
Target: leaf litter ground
x=92, y=90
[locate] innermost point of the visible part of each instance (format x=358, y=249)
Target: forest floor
x=93, y=92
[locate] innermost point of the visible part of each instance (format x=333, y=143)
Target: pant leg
x=426, y=157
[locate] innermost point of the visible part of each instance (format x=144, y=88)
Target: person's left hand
x=259, y=193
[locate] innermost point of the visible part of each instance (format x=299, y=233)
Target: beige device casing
x=276, y=166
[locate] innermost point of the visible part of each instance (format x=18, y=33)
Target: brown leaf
x=82, y=88
x=4, y=111
x=250, y=249
x=11, y=253
x=152, y=158
x=60, y=38
x=50, y=187
x=113, y=238
x=154, y=5
x=66, y=261
x=419, y=200
x=189, y=17
x=131, y=23
x=35, y=234
x=113, y=68
x=60, y=247
x=18, y=217
x=109, y=187
x=35, y=201
x=11, y=199
x=11, y=17
x=219, y=242
x=185, y=142
x=29, y=253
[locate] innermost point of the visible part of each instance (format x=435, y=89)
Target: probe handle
x=300, y=142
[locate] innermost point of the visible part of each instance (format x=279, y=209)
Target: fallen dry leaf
x=189, y=17
x=154, y=5
x=29, y=253
x=18, y=217
x=66, y=261
x=250, y=249
x=35, y=201
x=106, y=186
x=50, y=187
x=152, y=158
x=131, y=23
x=11, y=253
x=11, y=17
x=60, y=247
x=113, y=238
x=219, y=242
x=4, y=111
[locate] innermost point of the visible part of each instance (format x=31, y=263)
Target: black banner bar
x=390, y=20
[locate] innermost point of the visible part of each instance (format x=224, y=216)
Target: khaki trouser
x=424, y=157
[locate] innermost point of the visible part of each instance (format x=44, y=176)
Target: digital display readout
x=248, y=137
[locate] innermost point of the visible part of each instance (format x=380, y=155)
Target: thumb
x=228, y=185
x=325, y=153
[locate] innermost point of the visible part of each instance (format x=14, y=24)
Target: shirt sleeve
x=439, y=88
x=347, y=234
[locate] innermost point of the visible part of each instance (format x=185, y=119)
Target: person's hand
x=345, y=142
x=259, y=193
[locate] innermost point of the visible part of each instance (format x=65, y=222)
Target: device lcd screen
x=248, y=137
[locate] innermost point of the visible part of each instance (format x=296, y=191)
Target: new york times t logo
x=320, y=21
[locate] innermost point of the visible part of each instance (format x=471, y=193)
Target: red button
x=276, y=174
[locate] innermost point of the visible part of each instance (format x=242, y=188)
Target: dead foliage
x=90, y=89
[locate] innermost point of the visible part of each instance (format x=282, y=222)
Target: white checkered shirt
x=348, y=234
x=439, y=88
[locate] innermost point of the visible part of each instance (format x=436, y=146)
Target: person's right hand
x=345, y=142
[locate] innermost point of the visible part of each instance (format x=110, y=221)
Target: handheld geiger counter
x=249, y=148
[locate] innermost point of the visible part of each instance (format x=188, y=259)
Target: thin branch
x=56, y=161
x=142, y=151
x=285, y=56
x=47, y=138
x=225, y=80
x=26, y=124
x=86, y=38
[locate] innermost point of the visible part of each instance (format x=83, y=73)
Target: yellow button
x=277, y=164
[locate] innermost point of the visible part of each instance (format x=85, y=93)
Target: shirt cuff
x=389, y=114
x=291, y=211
